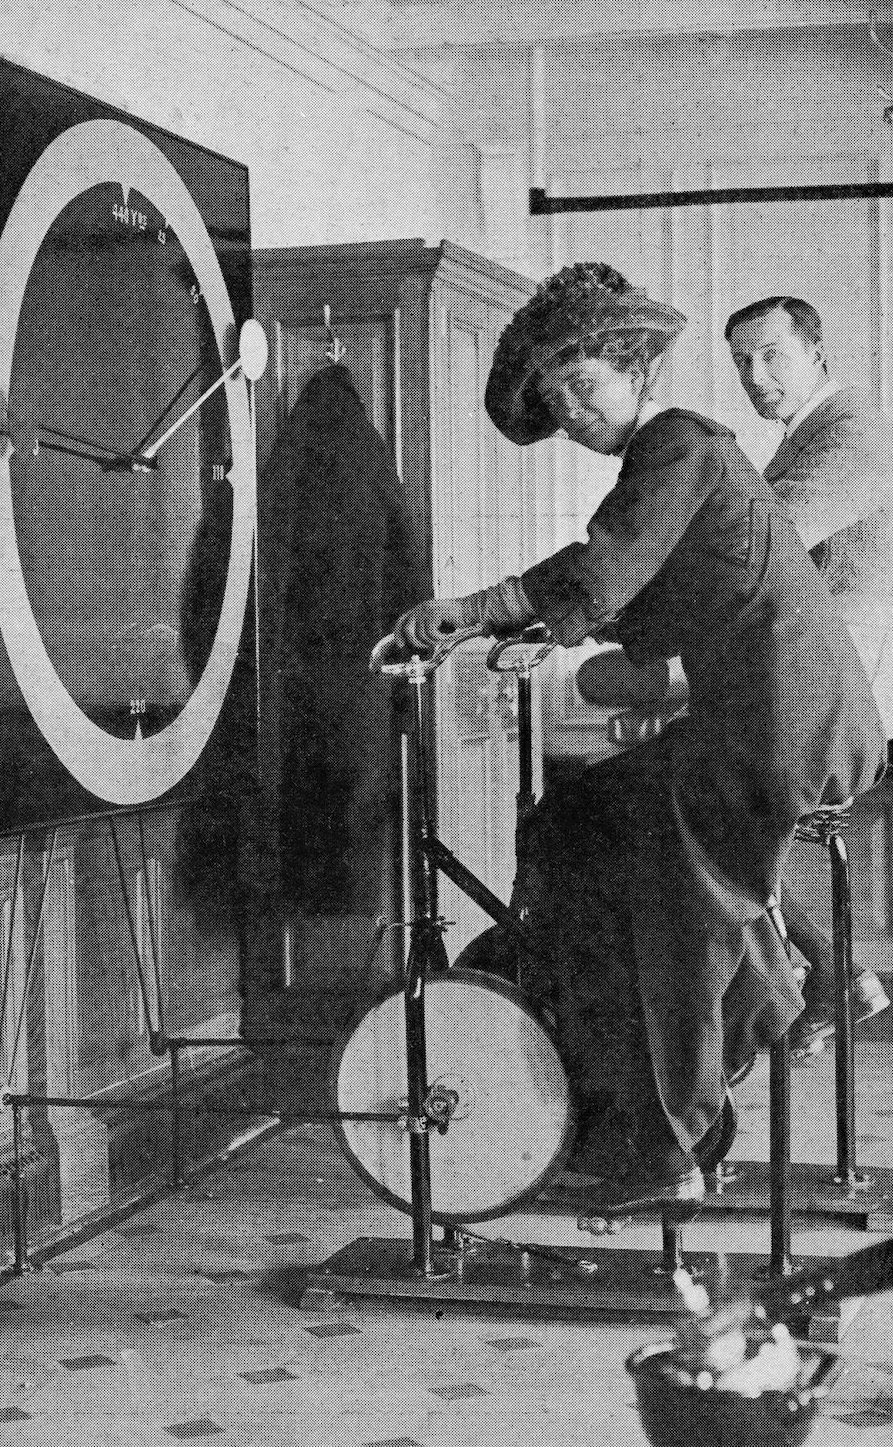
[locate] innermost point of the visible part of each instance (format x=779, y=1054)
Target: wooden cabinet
x=420, y=325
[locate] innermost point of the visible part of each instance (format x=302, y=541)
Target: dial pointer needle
x=77, y=441
x=252, y=360
x=43, y=446
x=42, y=438
x=199, y=402
x=138, y=450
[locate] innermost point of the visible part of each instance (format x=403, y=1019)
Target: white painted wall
x=674, y=111
x=658, y=113
x=336, y=134
x=612, y=113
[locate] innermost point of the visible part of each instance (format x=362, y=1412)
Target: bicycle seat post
x=520, y=654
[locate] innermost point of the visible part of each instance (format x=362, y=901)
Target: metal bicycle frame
x=428, y=855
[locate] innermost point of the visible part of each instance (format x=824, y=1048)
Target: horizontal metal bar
x=306, y=1116
x=162, y=1102
x=543, y=205
x=66, y=821
x=89, y=1103
x=174, y=1043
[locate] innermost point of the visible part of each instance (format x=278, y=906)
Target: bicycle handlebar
x=536, y=637
x=416, y=667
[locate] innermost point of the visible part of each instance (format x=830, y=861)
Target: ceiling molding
x=332, y=42
x=437, y=24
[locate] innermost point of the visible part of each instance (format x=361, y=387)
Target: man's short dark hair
x=805, y=320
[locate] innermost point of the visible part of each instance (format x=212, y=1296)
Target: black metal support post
x=20, y=1204
x=780, y=1134
x=525, y=799
x=417, y=1123
x=422, y=813
x=780, y=1157
x=176, y=1121
x=423, y=945
x=671, y=1245
x=843, y=1011
x=525, y=809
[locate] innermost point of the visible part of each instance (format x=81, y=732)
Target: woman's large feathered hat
x=575, y=306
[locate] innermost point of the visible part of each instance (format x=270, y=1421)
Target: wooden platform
x=570, y=1281
x=745, y=1188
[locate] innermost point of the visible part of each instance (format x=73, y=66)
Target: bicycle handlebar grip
x=401, y=667
x=380, y=653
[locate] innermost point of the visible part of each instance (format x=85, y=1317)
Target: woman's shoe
x=641, y=1193
x=812, y=1030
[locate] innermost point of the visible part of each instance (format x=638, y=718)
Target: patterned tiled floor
x=185, y=1323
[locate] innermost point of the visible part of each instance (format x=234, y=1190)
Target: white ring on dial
x=119, y=771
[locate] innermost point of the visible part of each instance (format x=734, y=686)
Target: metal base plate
x=585, y=1281
x=866, y=1206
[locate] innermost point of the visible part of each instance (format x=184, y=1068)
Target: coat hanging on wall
x=333, y=574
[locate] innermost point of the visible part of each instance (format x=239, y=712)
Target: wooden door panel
x=484, y=528
x=298, y=352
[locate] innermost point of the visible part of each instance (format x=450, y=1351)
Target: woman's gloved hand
x=426, y=626
x=504, y=608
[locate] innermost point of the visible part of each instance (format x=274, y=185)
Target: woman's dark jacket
x=693, y=556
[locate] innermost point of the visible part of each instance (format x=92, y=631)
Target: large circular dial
x=126, y=512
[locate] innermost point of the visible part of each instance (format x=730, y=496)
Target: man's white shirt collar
x=816, y=400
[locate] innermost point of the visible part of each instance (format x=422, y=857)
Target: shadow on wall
x=223, y=784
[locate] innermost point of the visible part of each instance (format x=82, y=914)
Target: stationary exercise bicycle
x=452, y=1102
x=428, y=1050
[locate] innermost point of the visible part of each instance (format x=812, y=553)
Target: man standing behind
x=834, y=473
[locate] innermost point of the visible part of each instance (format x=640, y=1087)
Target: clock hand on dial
x=107, y=463
x=138, y=450
x=40, y=438
x=139, y=460
x=150, y=452
x=252, y=360
x=107, y=459
x=112, y=460
x=77, y=441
